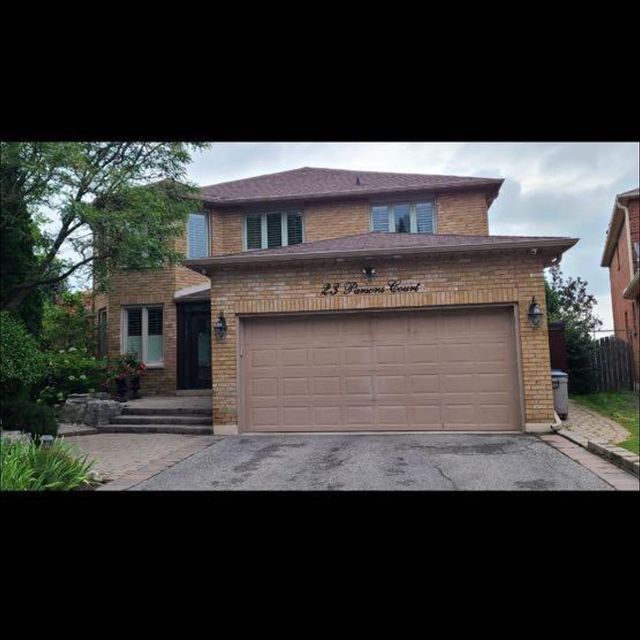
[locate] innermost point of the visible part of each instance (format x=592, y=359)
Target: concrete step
x=156, y=411
x=157, y=428
x=162, y=419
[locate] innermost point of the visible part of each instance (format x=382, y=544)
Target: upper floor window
x=198, y=236
x=404, y=217
x=273, y=229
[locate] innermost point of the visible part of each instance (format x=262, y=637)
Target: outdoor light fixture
x=369, y=271
x=47, y=441
x=221, y=327
x=535, y=313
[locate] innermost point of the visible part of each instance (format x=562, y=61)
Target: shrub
x=29, y=466
x=21, y=361
x=21, y=414
x=68, y=323
x=71, y=371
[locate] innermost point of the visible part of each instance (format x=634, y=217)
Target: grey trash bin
x=559, y=381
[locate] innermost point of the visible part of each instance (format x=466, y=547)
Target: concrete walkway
x=585, y=425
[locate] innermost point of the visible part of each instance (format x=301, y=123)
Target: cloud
x=551, y=188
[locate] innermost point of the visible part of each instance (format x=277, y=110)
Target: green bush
x=30, y=466
x=71, y=371
x=21, y=361
x=21, y=414
x=68, y=323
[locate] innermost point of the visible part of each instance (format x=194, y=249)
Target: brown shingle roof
x=313, y=183
x=384, y=243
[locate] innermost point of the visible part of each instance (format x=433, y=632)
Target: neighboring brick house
x=621, y=252
x=346, y=300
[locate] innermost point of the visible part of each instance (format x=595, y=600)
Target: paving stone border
x=159, y=464
x=619, y=456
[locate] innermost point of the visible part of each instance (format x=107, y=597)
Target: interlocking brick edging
x=159, y=464
x=619, y=456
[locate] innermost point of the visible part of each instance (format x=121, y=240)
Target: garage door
x=410, y=370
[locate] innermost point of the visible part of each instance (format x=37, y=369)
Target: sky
x=550, y=188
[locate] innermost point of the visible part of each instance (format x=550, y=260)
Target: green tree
x=568, y=301
x=130, y=197
x=67, y=323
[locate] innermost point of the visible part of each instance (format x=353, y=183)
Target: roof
x=633, y=288
x=314, y=183
x=613, y=230
x=380, y=243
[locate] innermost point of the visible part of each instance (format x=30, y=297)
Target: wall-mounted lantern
x=369, y=271
x=535, y=313
x=220, y=327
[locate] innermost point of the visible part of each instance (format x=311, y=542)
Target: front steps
x=194, y=421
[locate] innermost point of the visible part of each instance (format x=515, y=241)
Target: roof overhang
x=633, y=288
x=491, y=187
x=549, y=248
x=195, y=292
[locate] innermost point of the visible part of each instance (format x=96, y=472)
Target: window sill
x=155, y=365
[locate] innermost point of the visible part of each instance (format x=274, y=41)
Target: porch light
x=221, y=327
x=535, y=313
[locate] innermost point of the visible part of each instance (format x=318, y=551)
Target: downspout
x=629, y=244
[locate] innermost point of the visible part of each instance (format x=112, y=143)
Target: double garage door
x=408, y=370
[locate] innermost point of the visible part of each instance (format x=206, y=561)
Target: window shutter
x=198, y=236
x=274, y=230
x=380, y=217
x=254, y=232
x=424, y=217
x=294, y=228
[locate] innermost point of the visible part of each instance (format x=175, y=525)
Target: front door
x=194, y=345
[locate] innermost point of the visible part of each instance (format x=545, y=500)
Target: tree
x=97, y=206
x=568, y=301
x=18, y=262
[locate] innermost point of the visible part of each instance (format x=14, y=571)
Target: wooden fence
x=612, y=365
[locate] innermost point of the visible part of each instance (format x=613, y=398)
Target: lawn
x=621, y=406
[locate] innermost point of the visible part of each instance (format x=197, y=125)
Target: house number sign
x=353, y=288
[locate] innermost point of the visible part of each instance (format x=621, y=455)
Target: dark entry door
x=194, y=345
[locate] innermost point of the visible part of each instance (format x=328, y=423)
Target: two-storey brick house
x=346, y=300
x=621, y=257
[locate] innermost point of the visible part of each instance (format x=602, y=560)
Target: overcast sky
x=550, y=189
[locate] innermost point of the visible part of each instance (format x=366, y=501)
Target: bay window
x=272, y=229
x=143, y=335
x=404, y=217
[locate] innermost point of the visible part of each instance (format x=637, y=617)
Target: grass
x=30, y=466
x=621, y=406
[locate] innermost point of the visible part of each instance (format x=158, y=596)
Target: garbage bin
x=559, y=381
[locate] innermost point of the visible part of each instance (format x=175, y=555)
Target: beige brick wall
x=511, y=278
x=463, y=213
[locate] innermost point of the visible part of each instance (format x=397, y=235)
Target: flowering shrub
x=125, y=367
x=71, y=371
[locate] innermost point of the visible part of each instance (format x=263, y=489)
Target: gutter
x=632, y=289
x=245, y=258
x=608, y=247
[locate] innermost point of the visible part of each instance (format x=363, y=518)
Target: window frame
x=412, y=213
x=144, y=336
x=103, y=332
x=284, y=231
x=205, y=214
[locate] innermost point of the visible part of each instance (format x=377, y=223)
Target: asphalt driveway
x=377, y=462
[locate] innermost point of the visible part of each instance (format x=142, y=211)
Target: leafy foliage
x=30, y=466
x=568, y=301
x=128, y=195
x=68, y=323
x=21, y=362
x=19, y=413
x=71, y=371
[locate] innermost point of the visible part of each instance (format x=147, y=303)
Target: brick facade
x=293, y=288
x=626, y=313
